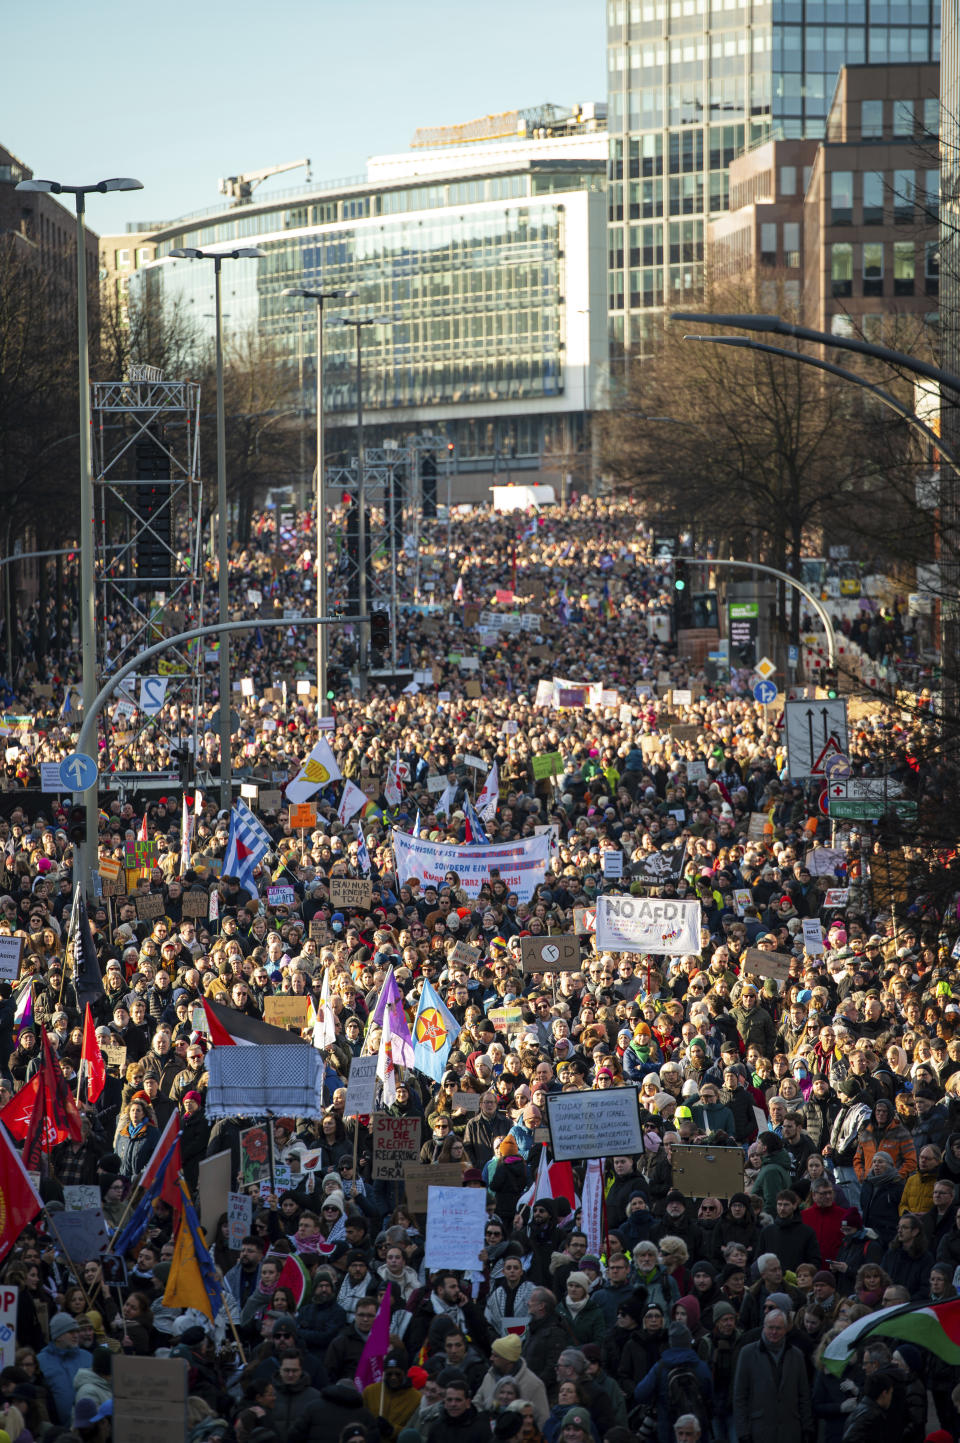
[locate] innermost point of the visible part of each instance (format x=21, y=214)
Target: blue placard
x=765, y=693
x=78, y=772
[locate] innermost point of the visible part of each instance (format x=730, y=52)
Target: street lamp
x=193, y=253
x=359, y=323
x=321, y=564
x=88, y=632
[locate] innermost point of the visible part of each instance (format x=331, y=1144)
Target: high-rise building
x=692, y=84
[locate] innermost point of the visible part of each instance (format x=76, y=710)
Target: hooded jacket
x=892, y=1138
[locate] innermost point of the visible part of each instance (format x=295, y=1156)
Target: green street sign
x=744, y=610
x=845, y=810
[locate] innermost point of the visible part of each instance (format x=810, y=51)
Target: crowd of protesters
x=693, y=1316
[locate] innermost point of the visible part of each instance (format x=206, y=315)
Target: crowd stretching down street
x=768, y=1245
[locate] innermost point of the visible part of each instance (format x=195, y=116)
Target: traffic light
x=680, y=575
x=428, y=486
x=154, y=551
x=829, y=681
x=77, y=825
x=379, y=636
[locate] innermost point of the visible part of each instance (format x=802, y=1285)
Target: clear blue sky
x=178, y=94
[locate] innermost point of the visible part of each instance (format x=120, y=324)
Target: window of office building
x=788, y=180
x=931, y=268
x=841, y=269
x=871, y=119
x=873, y=197
x=904, y=268
x=841, y=197
x=791, y=242
x=903, y=110
x=873, y=268
x=931, y=200
x=903, y=196
x=931, y=116
x=768, y=243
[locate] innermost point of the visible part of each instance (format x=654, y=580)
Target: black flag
x=86, y=969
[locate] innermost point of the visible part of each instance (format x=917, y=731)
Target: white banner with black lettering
x=521, y=864
x=647, y=924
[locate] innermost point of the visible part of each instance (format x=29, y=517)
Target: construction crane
x=241, y=187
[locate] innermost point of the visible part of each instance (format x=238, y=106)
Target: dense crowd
x=689, y=1316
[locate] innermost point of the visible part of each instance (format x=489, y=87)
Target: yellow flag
x=185, y=1284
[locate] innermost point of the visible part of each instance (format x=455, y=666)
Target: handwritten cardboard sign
x=289, y=1011
x=351, y=892
x=418, y=1177
x=767, y=964
x=195, y=904
x=149, y=905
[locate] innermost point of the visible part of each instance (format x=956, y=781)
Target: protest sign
x=466, y=1102
x=239, y=1219
x=302, y=816
x=837, y=897
x=756, y=827
x=9, y=1294
x=351, y=892
x=318, y=930
x=464, y=955
x=115, y=1055
x=644, y=924
x=456, y=1218
x=472, y=690
x=213, y=1184
x=812, y=936
x=78, y=1196
x=506, y=1019
x=767, y=964
x=195, y=904
x=522, y=864
x=594, y=1124
x=281, y=897
x=361, y=1087
x=612, y=864
x=254, y=1155
x=396, y=1142
x=419, y=1176
x=702, y=1171
x=270, y=799
x=286, y=1011
x=148, y=906
x=584, y=920
x=550, y=764
x=684, y=734
x=149, y=1399
x=823, y=861
x=10, y=950
x=83, y=1235
x=742, y=899
x=550, y=954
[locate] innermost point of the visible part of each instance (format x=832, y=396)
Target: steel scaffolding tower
x=148, y=529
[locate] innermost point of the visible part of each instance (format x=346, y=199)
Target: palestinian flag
x=935, y=1327
x=229, y=1028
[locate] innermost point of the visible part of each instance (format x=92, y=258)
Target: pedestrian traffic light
x=680, y=576
x=380, y=630
x=829, y=681
x=77, y=825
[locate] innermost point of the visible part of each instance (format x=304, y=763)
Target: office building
x=487, y=255
x=694, y=83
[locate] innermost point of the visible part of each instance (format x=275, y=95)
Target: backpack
x=685, y=1395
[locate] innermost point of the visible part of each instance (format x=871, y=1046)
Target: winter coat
x=771, y=1397
x=135, y=1152
x=654, y=1387
x=917, y=1195
x=879, y=1205
x=543, y=1342
x=529, y=1387
x=59, y=1367
x=88, y=1384
x=893, y=1139
x=772, y=1178
x=326, y=1414
x=792, y=1241
x=482, y=1135
x=868, y=1422
x=500, y=1305
x=293, y=1400
x=468, y=1428
x=756, y=1025
x=588, y=1325
x=825, y=1222
x=343, y=1354
x=910, y=1268
x=319, y=1324
x=819, y=1115
x=862, y=1247
x=845, y=1132
x=508, y=1182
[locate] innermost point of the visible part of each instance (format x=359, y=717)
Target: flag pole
x=233, y=1329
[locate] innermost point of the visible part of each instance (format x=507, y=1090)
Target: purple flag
x=401, y=1041
x=377, y=1346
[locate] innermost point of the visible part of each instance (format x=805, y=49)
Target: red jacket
x=826, y=1224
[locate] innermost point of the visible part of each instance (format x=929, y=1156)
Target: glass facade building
x=488, y=261
x=693, y=83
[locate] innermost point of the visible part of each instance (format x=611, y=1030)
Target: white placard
x=10, y=949
x=246, y=686
x=456, y=1219
x=239, y=1219
x=594, y=1124
x=468, y=663
x=823, y=861
x=696, y=771
x=424, y=676
x=471, y=761
x=613, y=865
x=626, y=714
x=837, y=897
x=681, y=697
x=50, y=777
x=153, y=689
x=303, y=688
x=255, y=598
x=647, y=924
x=250, y=790
x=361, y=1087
x=437, y=784
x=812, y=936
x=9, y=1293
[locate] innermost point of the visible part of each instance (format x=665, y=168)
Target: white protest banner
x=9, y=1294
x=10, y=949
x=456, y=1219
x=594, y=1124
x=361, y=1087
x=812, y=936
x=522, y=864
x=647, y=924
x=239, y=1219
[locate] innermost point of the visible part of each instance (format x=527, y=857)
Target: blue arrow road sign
x=765, y=693
x=78, y=772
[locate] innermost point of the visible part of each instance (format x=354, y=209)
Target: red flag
x=166, y=1159
x=16, y=1115
x=19, y=1203
x=91, y=1059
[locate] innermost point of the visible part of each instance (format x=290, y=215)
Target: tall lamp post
x=363, y=666
x=321, y=501
x=88, y=633
x=192, y=253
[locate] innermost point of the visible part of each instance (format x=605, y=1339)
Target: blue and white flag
x=363, y=856
x=475, y=834
x=248, y=842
